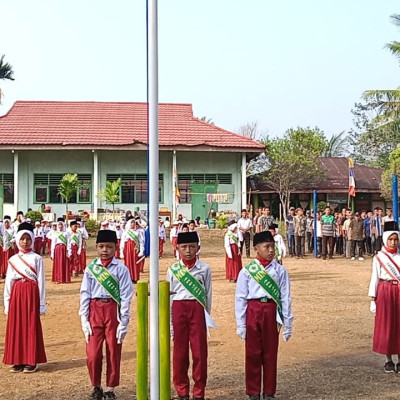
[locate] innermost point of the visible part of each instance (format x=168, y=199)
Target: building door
x=200, y=206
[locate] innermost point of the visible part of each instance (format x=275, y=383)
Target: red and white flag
x=352, y=182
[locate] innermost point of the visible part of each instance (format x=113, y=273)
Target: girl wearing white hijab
x=24, y=302
x=384, y=290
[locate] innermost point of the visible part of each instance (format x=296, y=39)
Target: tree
x=6, y=72
x=382, y=111
x=110, y=193
x=336, y=146
x=67, y=188
x=249, y=129
x=208, y=120
x=293, y=162
x=393, y=169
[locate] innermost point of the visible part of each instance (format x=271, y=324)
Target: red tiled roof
x=54, y=123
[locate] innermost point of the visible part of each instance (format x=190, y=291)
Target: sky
x=279, y=63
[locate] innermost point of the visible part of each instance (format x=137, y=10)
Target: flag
x=177, y=193
x=352, y=182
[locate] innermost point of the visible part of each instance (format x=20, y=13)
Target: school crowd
x=262, y=301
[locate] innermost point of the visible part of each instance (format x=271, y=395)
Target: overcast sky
x=282, y=63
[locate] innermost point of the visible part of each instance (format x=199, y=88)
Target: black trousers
x=246, y=240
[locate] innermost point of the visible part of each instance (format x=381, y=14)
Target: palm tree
x=6, y=72
x=67, y=188
x=386, y=103
x=336, y=146
x=110, y=193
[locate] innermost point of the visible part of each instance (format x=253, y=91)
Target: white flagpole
x=153, y=197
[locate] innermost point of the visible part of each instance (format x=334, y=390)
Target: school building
x=333, y=189
x=40, y=141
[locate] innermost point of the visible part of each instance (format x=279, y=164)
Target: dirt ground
x=328, y=357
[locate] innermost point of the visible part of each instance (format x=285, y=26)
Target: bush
x=222, y=221
x=34, y=216
x=91, y=225
x=321, y=206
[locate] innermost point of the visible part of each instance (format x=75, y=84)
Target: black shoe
x=183, y=397
x=17, y=368
x=389, y=367
x=198, y=398
x=97, y=394
x=109, y=395
x=266, y=397
x=29, y=369
x=256, y=397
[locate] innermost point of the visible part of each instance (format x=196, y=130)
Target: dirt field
x=328, y=357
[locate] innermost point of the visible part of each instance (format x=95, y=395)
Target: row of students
x=262, y=306
x=105, y=298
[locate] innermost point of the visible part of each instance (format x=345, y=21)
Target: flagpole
x=153, y=197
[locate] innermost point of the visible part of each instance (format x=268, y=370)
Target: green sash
x=62, y=237
x=277, y=253
x=233, y=237
x=75, y=238
x=134, y=237
x=108, y=281
x=260, y=275
x=191, y=284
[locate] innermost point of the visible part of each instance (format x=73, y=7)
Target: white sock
x=109, y=389
x=388, y=357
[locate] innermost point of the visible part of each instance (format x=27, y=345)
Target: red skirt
x=387, y=319
x=75, y=260
x=131, y=258
x=117, y=252
x=24, y=337
x=175, y=244
x=6, y=256
x=82, y=265
x=234, y=264
x=1, y=260
x=61, y=269
x=38, y=245
x=160, y=247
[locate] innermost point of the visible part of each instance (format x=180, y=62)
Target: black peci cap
x=106, y=236
x=188, y=237
x=390, y=226
x=262, y=237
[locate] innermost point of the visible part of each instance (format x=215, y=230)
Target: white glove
x=241, y=332
x=86, y=328
x=122, y=330
x=372, y=307
x=79, y=252
x=140, y=255
x=171, y=332
x=287, y=334
x=69, y=255
x=43, y=309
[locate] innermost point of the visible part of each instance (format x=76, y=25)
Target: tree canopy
x=377, y=120
x=292, y=162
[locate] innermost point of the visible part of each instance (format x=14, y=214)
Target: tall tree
x=67, y=188
x=292, y=162
x=337, y=146
x=6, y=72
x=110, y=193
x=382, y=107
